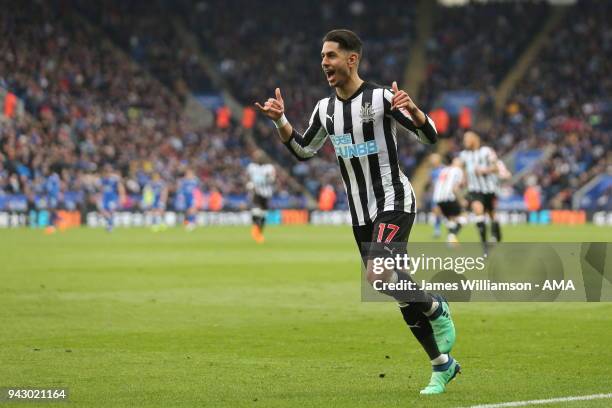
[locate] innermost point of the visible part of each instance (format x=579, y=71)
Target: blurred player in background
x=53, y=192
x=482, y=169
x=436, y=166
x=262, y=176
x=154, y=197
x=187, y=189
x=448, y=197
x=112, y=194
x=361, y=119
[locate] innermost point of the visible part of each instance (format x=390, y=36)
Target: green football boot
x=441, y=375
x=442, y=325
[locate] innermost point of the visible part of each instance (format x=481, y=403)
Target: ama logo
x=346, y=149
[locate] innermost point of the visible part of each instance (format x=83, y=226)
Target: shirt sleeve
x=458, y=176
x=426, y=133
x=271, y=173
x=305, y=146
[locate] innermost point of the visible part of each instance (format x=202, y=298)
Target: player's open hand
x=273, y=107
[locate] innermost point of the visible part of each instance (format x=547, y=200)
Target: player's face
x=468, y=140
x=258, y=157
x=335, y=63
x=435, y=160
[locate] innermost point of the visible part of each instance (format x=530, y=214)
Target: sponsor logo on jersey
x=346, y=149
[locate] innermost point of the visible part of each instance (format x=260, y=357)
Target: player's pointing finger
x=394, y=86
x=278, y=94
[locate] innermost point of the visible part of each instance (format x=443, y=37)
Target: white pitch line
x=544, y=401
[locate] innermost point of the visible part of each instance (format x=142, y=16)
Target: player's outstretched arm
x=502, y=171
x=493, y=168
x=303, y=147
x=403, y=109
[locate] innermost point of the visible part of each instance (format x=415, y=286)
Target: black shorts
x=488, y=200
x=449, y=208
x=260, y=202
x=389, y=227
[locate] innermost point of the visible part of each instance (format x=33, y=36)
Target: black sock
x=482, y=230
x=417, y=297
x=496, y=231
x=421, y=329
x=262, y=223
x=259, y=221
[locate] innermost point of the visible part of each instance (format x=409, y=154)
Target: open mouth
x=329, y=74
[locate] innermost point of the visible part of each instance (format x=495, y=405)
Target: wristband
x=281, y=122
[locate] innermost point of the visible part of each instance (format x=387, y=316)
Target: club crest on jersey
x=367, y=113
x=343, y=144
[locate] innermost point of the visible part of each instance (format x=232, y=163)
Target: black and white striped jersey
x=481, y=158
x=362, y=130
x=448, y=180
x=261, y=178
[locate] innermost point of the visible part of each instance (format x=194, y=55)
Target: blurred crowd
x=89, y=104
x=117, y=95
x=260, y=46
x=474, y=46
x=146, y=32
x=563, y=105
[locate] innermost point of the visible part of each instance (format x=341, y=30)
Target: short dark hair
x=346, y=39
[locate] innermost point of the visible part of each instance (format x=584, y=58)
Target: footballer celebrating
x=483, y=170
x=112, y=194
x=154, y=197
x=187, y=187
x=261, y=186
x=448, y=197
x=361, y=118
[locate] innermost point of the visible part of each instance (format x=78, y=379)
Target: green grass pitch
x=211, y=319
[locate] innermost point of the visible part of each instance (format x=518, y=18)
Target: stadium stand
x=562, y=104
x=472, y=47
x=119, y=98
x=559, y=134
x=89, y=104
x=290, y=59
